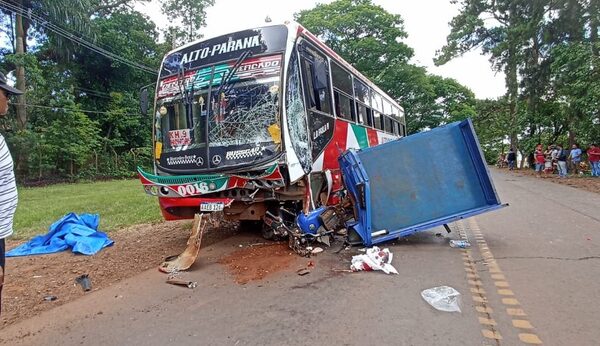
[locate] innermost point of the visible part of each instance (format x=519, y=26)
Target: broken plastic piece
x=84, y=281
x=443, y=298
x=185, y=260
x=374, y=259
x=50, y=298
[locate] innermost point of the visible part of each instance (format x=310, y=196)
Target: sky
x=425, y=21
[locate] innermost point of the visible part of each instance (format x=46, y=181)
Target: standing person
x=8, y=188
x=511, y=158
x=561, y=161
x=575, y=158
x=548, y=159
x=540, y=160
x=594, y=158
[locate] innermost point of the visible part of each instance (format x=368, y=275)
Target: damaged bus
x=253, y=121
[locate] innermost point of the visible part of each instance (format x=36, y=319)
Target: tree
x=362, y=33
x=192, y=14
x=497, y=27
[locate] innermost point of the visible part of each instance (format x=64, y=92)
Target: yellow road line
x=503, y=289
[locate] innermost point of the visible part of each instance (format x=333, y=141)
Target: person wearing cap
x=8, y=188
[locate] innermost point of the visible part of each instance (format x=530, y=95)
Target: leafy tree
x=192, y=14
x=362, y=33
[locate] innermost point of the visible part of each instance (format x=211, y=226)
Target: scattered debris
x=438, y=234
x=84, y=281
x=316, y=251
x=374, y=259
x=50, y=298
x=462, y=244
x=180, y=282
x=185, y=260
x=342, y=270
x=443, y=298
x=302, y=271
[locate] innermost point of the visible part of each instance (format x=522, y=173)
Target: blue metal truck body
x=417, y=182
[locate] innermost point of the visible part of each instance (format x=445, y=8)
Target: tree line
x=83, y=62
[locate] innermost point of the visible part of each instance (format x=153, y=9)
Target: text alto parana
x=222, y=48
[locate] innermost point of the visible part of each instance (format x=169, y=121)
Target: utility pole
x=20, y=50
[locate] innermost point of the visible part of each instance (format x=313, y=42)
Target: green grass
x=119, y=203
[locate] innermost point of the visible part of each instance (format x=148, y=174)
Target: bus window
x=403, y=130
x=316, y=73
x=388, y=124
x=376, y=101
x=396, y=129
x=369, y=116
x=344, y=106
x=377, y=121
x=341, y=79
x=361, y=92
x=387, y=108
x=362, y=113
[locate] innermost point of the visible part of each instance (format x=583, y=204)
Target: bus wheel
x=250, y=225
x=267, y=232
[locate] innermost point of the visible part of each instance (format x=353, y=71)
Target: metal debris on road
x=302, y=271
x=180, y=282
x=50, y=298
x=185, y=260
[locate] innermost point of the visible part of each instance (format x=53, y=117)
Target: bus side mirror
x=144, y=102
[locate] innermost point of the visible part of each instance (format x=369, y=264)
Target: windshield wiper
x=225, y=80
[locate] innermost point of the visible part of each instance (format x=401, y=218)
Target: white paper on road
x=374, y=259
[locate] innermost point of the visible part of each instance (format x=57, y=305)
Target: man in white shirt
x=8, y=188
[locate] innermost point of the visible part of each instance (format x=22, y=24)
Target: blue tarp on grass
x=77, y=232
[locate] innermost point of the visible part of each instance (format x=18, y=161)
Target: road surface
x=530, y=277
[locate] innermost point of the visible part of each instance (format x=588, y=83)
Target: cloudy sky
x=426, y=22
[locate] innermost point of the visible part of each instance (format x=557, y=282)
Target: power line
x=70, y=36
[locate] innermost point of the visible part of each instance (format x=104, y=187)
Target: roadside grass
x=120, y=203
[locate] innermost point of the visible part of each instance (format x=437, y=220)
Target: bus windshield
x=237, y=115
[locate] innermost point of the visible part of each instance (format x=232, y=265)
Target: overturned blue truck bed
x=416, y=183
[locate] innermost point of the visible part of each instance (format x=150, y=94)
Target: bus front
x=217, y=122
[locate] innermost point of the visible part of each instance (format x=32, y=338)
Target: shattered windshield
x=192, y=113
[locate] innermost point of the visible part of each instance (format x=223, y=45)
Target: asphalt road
x=531, y=276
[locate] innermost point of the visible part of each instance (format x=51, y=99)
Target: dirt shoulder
x=29, y=279
x=588, y=183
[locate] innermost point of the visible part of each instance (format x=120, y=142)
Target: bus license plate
x=212, y=206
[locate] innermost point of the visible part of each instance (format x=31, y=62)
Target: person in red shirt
x=594, y=158
x=539, y=160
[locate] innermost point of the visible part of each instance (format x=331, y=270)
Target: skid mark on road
x=513, y=308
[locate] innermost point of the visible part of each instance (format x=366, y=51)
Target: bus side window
x=377, y=121
x=315, y=68
x=362, y=113
x=396, y=129
x=344, y=106
x=369, y=116
x=389, y=127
